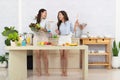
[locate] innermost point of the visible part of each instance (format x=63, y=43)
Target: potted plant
x=4, y=60
x=115, y=58
x=11, y=35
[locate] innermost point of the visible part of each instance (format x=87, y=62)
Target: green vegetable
x=35, y=27
x=55, y=36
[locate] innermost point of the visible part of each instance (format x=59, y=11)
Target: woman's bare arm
x=77, y=24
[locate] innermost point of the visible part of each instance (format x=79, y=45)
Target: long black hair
x=65, y=18
x=38, y=18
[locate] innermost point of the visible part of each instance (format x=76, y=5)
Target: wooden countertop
x=45, y=47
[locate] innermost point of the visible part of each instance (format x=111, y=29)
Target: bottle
x=20, y=39
x=28, y=38
x=23, y=42
x=49, y=34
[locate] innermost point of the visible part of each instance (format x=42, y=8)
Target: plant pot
x=3, y=65
x=13, y=43
x=115, y=62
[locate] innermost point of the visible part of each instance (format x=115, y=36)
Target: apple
x=49, y=43
x=45, y=43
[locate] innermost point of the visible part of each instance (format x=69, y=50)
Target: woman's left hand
x=57, y=31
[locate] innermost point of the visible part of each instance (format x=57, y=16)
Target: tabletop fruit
x=49, y=43
x=42, y=43
x=45, y=43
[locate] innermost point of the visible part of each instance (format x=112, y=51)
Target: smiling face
x=60, y=16
x=44, y=15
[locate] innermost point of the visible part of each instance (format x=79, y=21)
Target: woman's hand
x=57, y=31
x=77, y=23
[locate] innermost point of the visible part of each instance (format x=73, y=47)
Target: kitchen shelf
x=98, y=63
x=107, y=53
x=98, y=54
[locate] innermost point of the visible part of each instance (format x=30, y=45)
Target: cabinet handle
x=89, y=39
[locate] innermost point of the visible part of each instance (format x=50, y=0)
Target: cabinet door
x=73, y=56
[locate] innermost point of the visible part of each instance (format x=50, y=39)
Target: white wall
x=8, y=17
x=117, y=32
x=98, y=14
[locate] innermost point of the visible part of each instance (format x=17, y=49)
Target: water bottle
x=49, y=34
x=24, y=42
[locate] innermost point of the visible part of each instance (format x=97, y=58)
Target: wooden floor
x=94, y=74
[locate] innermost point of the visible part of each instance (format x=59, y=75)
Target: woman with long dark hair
x=42, y=37
x=65, y=28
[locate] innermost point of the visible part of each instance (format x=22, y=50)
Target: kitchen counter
x=54, y=56
x=18, y=62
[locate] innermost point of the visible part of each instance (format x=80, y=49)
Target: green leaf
x=7, y=28
x=115, y=52
x=114, y=44
x=115, y=49
x=119, y=45
x=4, y=33
x=11, y=34
x=7, y=53
x=7, y=42
x=2, y=59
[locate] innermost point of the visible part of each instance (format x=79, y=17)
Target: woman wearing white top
x=65, y=28
x=42, y=37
